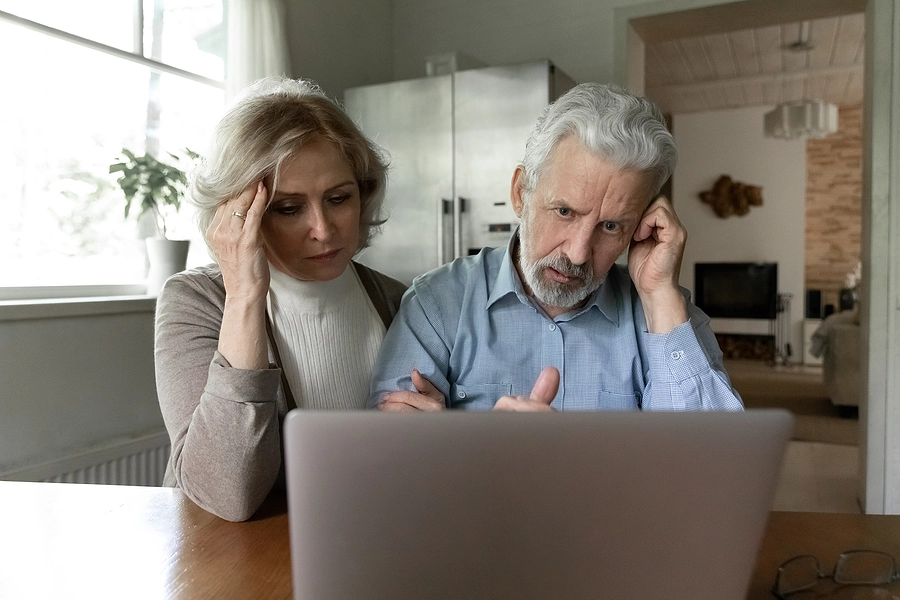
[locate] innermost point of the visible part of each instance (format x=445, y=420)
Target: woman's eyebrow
x=342, y=184
x=280, y=194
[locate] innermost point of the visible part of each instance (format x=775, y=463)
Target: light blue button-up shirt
x=470, y=328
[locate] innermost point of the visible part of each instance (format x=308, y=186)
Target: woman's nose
x=321, y=225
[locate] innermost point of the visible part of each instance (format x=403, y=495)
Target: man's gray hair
x=628, y=131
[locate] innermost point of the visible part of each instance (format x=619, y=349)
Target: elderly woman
x=289, y=193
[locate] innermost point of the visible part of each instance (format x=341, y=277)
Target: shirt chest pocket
x=583, y=397
x=477, y=397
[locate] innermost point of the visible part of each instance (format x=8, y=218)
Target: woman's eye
x=339, y=199
x=285, y=209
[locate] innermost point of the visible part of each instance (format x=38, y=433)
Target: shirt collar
x=507, y=281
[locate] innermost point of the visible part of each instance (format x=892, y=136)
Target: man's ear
x=515, y=191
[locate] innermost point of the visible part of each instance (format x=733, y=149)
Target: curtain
x=257, y=42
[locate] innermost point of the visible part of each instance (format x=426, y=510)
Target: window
x=83, y=79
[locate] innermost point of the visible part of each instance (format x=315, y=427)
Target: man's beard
x=545, y=290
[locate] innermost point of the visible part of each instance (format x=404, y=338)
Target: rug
x=799, y=391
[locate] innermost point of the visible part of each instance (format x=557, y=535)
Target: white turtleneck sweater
x=328, y=334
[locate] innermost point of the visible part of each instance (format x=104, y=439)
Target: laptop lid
x=593, y=505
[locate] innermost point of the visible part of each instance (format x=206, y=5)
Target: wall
x=731, y=142
x=340, y=43
x=346, y=43
x=74, y=377
x=880, y=293
x=834, y=205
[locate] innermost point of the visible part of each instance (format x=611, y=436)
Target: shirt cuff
x=676, y=355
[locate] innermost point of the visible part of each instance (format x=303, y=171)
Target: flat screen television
x=737, y=290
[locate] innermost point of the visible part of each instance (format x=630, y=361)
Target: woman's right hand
x=237, y=242
x=236, y=239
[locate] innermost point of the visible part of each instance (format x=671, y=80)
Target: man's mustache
x=563, y=265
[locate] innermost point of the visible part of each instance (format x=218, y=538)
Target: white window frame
x=51, y=297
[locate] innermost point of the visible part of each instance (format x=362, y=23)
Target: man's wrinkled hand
x=542, y=394
x=654, y=262
x=425, y=398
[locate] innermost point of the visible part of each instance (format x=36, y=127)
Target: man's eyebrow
x=556, y=202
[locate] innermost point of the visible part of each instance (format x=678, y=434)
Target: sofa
x=837, y=341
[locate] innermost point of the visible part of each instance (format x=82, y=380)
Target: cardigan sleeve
x=223, y=422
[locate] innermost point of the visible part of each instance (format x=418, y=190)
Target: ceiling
x=757, y=66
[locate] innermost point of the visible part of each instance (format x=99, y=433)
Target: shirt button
x=461, y=394
x=552, y=327
x=677, y=354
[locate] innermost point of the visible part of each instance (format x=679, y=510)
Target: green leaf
x=149, y=184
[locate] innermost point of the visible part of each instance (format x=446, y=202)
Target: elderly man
x=551, y=322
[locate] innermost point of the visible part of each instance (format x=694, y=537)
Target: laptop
x=618, y=505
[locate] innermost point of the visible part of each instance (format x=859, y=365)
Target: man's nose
x=581, y=245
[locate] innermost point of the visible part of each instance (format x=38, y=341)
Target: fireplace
x=746, y=346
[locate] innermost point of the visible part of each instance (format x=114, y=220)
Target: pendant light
x=803, y=118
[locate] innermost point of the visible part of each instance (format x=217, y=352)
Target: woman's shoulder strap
x=384, y=292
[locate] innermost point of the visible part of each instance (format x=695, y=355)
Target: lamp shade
x=809, y=118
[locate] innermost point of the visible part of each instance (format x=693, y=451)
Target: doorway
x=880, y=294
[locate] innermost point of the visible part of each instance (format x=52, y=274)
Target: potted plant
x=155, y=189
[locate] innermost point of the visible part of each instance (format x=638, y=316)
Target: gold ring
x=239, y=215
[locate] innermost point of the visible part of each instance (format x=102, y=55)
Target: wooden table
x=62, y=540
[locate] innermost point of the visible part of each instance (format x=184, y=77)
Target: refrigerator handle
x=446, y=238
x=459, y=207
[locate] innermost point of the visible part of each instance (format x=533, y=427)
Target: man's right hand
x=542, y=394
x=426, y=397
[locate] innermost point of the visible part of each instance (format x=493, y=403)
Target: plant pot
x=166, y=257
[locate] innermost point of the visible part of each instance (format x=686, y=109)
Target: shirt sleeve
x=222, y=421
x=416, y=339
x=686, y=371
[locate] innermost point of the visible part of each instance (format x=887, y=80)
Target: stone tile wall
x=834, y=205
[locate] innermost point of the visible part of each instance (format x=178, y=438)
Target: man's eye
x=563, y=211
x=611, y=226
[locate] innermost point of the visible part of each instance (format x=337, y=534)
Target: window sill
x=55, y=308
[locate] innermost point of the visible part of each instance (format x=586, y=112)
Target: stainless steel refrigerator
x=454, y=142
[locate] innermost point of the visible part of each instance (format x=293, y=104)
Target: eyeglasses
x=854, y=567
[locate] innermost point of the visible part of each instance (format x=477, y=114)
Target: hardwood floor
x=815, y=476
x=818, y=477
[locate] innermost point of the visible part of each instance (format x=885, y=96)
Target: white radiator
x=132, y=461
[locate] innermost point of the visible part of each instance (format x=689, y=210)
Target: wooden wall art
x=728, y=197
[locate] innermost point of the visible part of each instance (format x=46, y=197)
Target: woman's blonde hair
x=269, y=121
